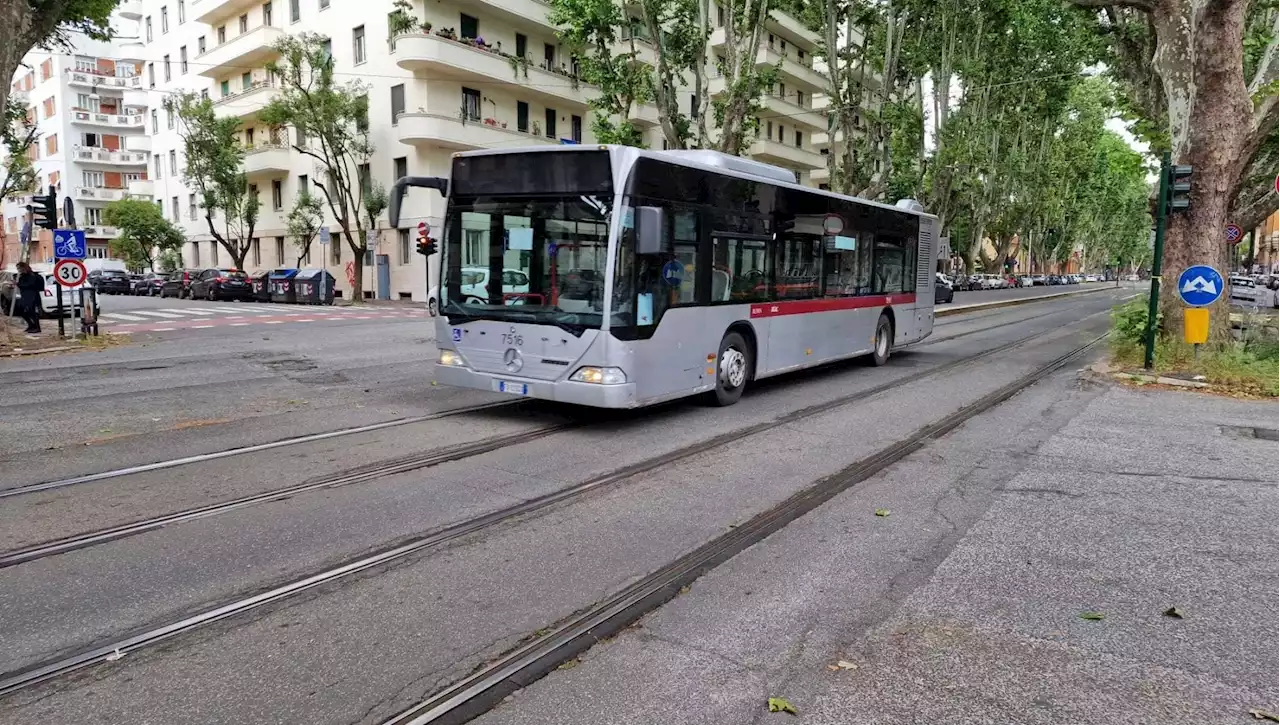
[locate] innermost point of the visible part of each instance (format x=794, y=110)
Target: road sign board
x=68, y=244
x=69, y=272
x=673, y=273
x=1234, y=234
x=832, y=224
x=324, y=235
x=1200, y=286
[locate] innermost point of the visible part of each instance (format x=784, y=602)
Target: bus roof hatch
x=733, y=163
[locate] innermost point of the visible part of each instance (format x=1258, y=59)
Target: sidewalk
x=964, y=605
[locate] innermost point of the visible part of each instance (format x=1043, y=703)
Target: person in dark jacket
x=30, y=287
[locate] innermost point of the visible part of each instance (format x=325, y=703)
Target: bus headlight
x=600, y=376
x=451, y=359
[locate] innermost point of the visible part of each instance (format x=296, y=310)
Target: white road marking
x=238, y=324
x=362, y=317
x=201, y=327
x=303, y=319
x=274, y=322
x=157, y=314
x=118, y=316
x=187, y=311
x=164, y=329
x=228, y=309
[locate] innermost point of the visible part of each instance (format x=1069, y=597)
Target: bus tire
x=733, y=368
x=883, y=343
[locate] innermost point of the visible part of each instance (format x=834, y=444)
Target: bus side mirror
x=397, y=193
x=650, y=224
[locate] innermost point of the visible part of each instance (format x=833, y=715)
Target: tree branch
x=1143, y=5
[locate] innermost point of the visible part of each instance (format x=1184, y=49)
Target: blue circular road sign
x=1200, y=286
x=673, y=273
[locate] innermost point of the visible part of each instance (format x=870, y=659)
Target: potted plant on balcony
x=401, y=21
x=519, y=66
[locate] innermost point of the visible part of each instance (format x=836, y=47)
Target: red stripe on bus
x=829, y=304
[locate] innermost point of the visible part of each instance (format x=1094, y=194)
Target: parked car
x=1039, y=280
x=962, y=283
x=148, y=284
x=475, y=283
x=221, y=283
x=942, y=290
x=1244, y=289
x=111, y=282
x=48, y=301
x=178, y=283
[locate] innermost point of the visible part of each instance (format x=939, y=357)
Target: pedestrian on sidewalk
x=30, y=287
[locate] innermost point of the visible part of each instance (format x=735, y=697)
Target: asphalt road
x=363, y=648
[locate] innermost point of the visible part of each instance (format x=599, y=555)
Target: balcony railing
x=98, y=230
x=94, y=78
x=99, y=193
x=107, y=156
x=131, y=120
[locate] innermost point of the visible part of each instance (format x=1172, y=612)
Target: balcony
x=792, y=71
x=130, y=10
x=267, y=159
x=99, y=193
x=210, y=12
x=138, y=144
x=95, y=80
x=462, y=61
x=793, y=30
x=111, y=120
x=451, y=133
x=142, y=189
x=781, y=108
x=98, y=231
x=520, y=12
x=250, y=49
x=247, y=102
x=786, y=156
x=90, y=154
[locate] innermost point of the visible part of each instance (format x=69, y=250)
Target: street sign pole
x=1153, y=304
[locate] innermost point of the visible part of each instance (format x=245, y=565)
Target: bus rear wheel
x=883, y=344
x=733, y=368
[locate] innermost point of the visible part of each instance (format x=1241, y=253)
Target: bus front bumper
x=561, y=391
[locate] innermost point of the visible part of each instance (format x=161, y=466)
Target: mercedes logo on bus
x=511, y=358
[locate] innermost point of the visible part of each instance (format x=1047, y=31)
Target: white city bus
x=652, y=275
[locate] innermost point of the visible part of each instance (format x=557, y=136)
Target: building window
x=550, y=117
x=257, y=252
x=213, y=253
x=93, y=179
x=182, y=11
x=93, y=215
x=200, y=45
x=151, y=74
x=195, y=254
x=295, y=13
x=164, y=20
x=400, y=168
x=244, y=23
x=304, y=184
x=246, y=81
x=324, y=4
x=266, y=14
x=403, y=237
x=357, y=45
x=328, y=48
x=335, y=251
x=91, y=140
x=182, y=60
x=222, y=34
x=51, y=144
x=155, y=121
x=522, y=117
x=277, y=194
x=575, y=128
x=173, y=204
x=168, y=115
x=470, y=104
x=799, y=139
x=364, y=177
x=173, y=163
x=191, y=207
x=470, y=26
x=159, y=166
x=522, y=45
x=168, y=75
x=148, y=26
x=279, y=250
x=397, y=103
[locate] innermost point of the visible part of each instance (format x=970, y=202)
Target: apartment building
x=481, y=74
x=89, y=109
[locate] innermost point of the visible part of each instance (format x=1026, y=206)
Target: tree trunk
x=1199, y=60
x=357, y=264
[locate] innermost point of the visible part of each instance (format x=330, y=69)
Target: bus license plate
x=506, y=386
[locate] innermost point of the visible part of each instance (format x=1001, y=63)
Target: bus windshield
x=548, y=252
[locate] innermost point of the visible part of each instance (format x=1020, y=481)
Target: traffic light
x=426, y=245
x=44, y=209
x=1179, y=198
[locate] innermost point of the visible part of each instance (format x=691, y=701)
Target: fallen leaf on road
x=1264, y=715
x=833, y=668
x=1173, y=612
x=104, y=430
x=568, y=665
x=1093, y=616
x=883, y=512
x=846, y=665
x=781, y=704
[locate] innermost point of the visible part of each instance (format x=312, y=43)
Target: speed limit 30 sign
x=69, y=272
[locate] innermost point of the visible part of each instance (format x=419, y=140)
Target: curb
x=25, y=353
x=948, y=312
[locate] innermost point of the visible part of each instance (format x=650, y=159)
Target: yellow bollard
x=1195, y=325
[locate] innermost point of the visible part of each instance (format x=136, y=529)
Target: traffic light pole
x=1153, y=304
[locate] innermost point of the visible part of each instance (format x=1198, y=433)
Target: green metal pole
x=1153, y=305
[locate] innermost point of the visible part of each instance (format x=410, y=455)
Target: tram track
x=480, y=691
x=410, y=463
x=63, y=665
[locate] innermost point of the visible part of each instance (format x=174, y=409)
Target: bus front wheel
x=733, y=368
x=883, y=341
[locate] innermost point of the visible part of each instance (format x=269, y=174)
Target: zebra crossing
x=204, y=317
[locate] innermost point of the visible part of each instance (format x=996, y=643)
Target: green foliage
x=16, y=135
x=1129, y=322
x=402, y=21
x=145, y=234
x=60, y=21
x=303, y=222
x=169, y=260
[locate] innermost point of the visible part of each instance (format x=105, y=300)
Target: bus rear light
x=451, y=359
x=599, y=376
